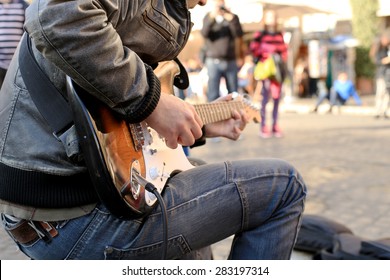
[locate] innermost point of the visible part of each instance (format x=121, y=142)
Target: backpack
x=326, y=239
x=317, y=233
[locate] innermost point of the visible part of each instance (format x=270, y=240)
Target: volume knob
x=153, y=173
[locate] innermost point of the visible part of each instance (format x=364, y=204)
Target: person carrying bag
x=270, y=53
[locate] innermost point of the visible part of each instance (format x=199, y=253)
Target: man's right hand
x=176, y=121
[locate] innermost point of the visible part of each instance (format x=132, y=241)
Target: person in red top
x=265, y=43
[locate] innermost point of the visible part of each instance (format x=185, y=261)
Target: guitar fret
x=203, y=114
x=219, y=112
x=213, y=113
x=227, y=112
x=207, y=114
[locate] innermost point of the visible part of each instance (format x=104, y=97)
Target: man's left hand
x=231, y=128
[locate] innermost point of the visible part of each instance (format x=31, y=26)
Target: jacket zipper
x=165, y=33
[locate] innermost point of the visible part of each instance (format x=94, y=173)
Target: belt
x=27, y=232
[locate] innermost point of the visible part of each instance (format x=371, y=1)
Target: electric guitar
x=123, y=157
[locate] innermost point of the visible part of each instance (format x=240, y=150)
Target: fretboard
x=217, y=111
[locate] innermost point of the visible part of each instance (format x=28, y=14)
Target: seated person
x=342, y=89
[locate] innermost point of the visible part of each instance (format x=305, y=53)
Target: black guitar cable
x=151, y=188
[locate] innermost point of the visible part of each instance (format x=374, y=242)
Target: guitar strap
x=57, y=113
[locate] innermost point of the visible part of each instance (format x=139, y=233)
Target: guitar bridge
x=137, y=134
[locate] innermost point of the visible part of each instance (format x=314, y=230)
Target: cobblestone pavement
x=343, y=157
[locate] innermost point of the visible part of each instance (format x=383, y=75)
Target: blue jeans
x=336, y=99
x=218, y=69
x=321, y=97
x=266, y=93
x=258, y=201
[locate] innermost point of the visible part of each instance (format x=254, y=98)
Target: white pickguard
x=160, y=161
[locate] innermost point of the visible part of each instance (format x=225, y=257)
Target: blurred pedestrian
x=11, y=30
x=245, y=76
x=380, y=54
x=268, y=47
x=323, y=93
x=224, y=48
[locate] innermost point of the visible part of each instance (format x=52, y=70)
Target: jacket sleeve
x=208, y=22
x=235, y=27
x=80, y=38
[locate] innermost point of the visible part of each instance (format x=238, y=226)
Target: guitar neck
x=217, y=111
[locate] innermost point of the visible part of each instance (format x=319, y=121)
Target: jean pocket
x=177, y=246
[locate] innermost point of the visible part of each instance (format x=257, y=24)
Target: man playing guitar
x=109, y=50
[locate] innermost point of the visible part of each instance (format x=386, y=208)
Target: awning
x=384, y=8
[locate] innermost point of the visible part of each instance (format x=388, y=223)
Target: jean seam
x=82, y=241
x=241, y=193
